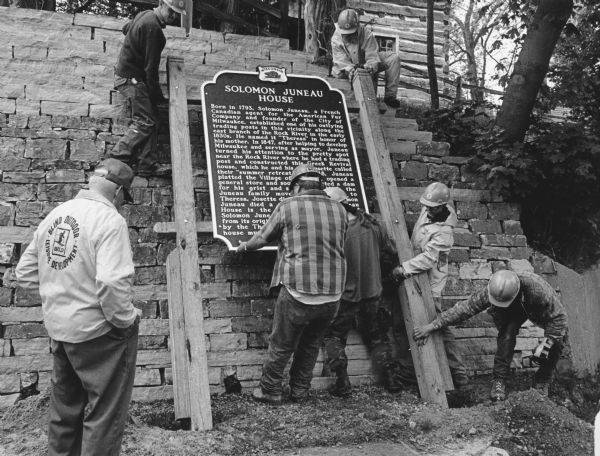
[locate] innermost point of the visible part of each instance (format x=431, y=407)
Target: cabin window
x=386, y=43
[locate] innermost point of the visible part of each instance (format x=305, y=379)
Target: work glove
x=541, y=352
x=398, y=274
x=372, y=69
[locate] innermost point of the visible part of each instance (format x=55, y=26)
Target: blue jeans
x=298, y=330
x=138, y=146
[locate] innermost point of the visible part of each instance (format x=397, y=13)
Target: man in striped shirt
x=310, y=229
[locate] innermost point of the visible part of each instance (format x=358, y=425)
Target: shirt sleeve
x=556, y=327
x=441, y=242
x=114, y=276
x=464, y=310
x=341, y=59
x=27, y=272
x=272, y=229
x=153, y=46
x=371, y=50
x=389, y=253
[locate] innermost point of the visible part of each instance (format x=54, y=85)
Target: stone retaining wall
x=45, y=158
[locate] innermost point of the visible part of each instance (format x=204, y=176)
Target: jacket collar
x=94, y=196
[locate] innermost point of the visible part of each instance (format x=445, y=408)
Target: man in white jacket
x=81, y=265
x=432, y=238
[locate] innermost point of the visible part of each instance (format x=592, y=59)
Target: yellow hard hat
x=305, y=169
x=503, y=288
x=348, y=21
x=176, y=5
x=336, y=194
x=435, y=194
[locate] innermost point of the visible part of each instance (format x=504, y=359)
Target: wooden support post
x=187, y=250
x=179, y=365
x=414, y=293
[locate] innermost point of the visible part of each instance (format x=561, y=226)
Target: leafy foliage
x=459, y=125
x=576, y=69
x=555, y=176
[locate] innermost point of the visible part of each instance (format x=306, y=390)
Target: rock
x=493, y=451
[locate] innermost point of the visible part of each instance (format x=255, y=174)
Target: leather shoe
x=259, y=395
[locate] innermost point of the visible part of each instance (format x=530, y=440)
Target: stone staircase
x=58, y=116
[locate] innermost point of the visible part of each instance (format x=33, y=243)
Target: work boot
x=392, y=380
x=392, y=102
x=460, y=380
x=498, y=391
x=342, y=386
x=542, y=388
x=259, y=395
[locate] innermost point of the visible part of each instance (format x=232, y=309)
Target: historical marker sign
x=258, y=127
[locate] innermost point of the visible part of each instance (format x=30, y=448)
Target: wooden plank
x=456, y=194
x=171, y=228
x=265, y=7
x=177, y=334
x=187, y=248
x=16, y=234
x=400, y=10
x=414, y=293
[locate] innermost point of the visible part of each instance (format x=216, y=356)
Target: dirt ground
x=527, y=424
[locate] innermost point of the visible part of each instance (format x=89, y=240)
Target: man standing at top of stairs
x=136, y=78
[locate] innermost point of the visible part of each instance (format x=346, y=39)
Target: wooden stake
x=414, y=293
x=177, y=337
x=187, y=249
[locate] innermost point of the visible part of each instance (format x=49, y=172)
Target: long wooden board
x=414, y=293
x=187, y=250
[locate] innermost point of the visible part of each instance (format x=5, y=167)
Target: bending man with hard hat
x=512, y=298
x=310, y=272
x=432, y=239
x=136, y=79
x=80, y=263
x=354, y=46
x=367, y=247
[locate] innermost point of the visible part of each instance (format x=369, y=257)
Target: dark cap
x=118, y=172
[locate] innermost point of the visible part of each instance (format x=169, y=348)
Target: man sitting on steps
x=354, y=46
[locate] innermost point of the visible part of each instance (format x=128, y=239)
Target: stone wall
x=52, y=132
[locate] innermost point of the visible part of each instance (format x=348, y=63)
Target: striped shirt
x=310, y=229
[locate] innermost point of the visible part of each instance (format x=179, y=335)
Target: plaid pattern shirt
x=310, y=229
x=538, y=299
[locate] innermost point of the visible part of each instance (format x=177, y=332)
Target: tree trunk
x=531, y=67
x=319, y=20
x=48, y=5
x=284, y=8
x=433, y=85
x=230, y=8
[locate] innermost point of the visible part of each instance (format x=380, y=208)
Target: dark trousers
x=138, y=146
x=363, y=316
x=97, y=374
x=508, y=328
x=298, y=330
x=407, y=368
